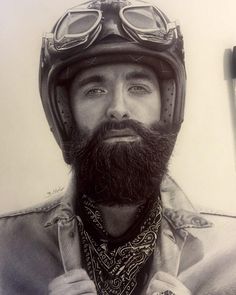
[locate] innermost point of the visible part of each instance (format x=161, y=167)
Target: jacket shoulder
x=215, y=272
x=224, y=224
x=219, y=217
x=217, y=213
x=220, y=234
x=29, y=250
x=27, y=226
x=44, y=207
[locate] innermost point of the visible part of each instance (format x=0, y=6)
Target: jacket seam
x=218, y=214
x=185, y=226
x=45, y=208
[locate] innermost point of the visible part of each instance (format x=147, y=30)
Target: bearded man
x=112, y=83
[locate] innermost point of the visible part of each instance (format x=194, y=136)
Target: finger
x=72, y=293
x=56, y=292
x=78, y=288
x=65, y=292
x=166, y=277
x=76, y=275
x=55, y=283
x=159, y=286
x=83, y=287
x=69, y=277
x=172, y=281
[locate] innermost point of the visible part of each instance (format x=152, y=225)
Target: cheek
x=148, y=110
x=154, y=108
x=88, y=114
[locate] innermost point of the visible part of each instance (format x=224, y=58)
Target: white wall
x=204, y=160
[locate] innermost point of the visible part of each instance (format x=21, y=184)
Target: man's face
x=118, y=151
x=115, y=92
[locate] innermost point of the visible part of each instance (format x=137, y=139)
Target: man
x=112, y=83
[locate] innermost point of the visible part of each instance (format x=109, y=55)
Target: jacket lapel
x=174, y=250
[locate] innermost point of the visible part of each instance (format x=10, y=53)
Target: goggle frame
x=162, y=37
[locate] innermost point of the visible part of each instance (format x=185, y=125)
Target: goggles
x=142, y=23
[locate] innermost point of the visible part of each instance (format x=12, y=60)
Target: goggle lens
x=142, y=18
x=77, y=23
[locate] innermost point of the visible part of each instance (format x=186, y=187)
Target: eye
x=139, y=89
x=93, y=92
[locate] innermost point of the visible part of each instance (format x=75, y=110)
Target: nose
x=117, y=109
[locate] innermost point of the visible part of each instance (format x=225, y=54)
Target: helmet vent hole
x=168, y=92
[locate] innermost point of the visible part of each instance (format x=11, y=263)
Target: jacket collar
x=179, y=233
x=177, y=209
x=67, y=204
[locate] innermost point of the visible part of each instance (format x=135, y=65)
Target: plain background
x=203, y=163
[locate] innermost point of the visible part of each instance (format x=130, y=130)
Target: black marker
x=234, y=70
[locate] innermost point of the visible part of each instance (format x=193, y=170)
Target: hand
x=74, y=282
x=163, y=281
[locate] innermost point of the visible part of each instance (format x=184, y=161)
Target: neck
x=118, y=219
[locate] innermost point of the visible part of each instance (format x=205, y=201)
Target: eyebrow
x=137, y=75
x=100, y=79
x=91, y=79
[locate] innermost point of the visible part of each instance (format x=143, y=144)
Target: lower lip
x=130, y=138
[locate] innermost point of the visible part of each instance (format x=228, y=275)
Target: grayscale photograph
x=118, y=147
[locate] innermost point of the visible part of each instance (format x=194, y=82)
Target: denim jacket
x=41, y=243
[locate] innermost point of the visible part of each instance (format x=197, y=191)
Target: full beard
x=121, y=173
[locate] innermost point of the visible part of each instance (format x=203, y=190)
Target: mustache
x=137, y=127
x=102, y=131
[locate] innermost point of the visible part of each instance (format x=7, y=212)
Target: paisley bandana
x=114, y=263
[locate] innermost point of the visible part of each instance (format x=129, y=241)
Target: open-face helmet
x=104, y=32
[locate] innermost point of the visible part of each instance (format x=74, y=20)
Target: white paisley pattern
x=114, y=268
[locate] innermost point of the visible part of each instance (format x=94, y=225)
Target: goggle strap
x=171, y=26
